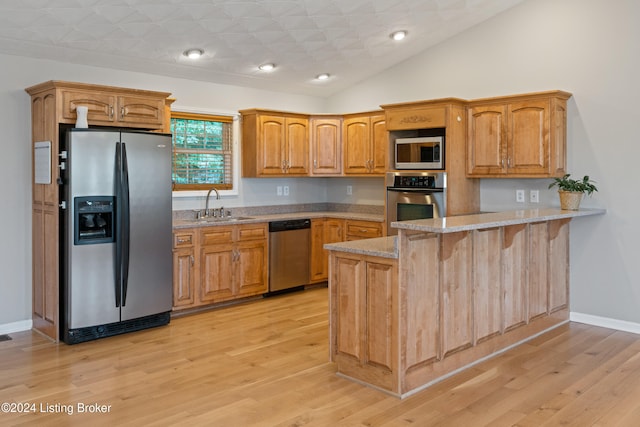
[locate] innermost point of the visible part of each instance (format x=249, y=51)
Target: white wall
x=17, y=73
x=589, y=48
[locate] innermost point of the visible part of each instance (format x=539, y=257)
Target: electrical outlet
x=534, y=196
x=286, y=190
x=520, y=196
x=349, y=190
x=279, y=190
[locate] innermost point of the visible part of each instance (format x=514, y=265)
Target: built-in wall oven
x=415, y=195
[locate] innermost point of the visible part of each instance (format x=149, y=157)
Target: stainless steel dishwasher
x=289, y=254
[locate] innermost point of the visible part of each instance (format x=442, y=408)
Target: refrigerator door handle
x=118, y=246
x=126, y=224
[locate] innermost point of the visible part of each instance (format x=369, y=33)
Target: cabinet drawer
x=183, y=239
x=216, y=235
x=418, y=118
x=363, y=229
x=252, y=232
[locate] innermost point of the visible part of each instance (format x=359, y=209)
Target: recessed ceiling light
x=323, y=76
x=267, y=67
x=398, y=35
x=193, y=53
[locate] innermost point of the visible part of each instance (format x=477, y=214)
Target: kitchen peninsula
x=445, y=293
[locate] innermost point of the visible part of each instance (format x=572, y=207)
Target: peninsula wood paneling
x=514, y=275
x=558, y=265
x=487, y=262
x=420, y=300
x=456, y=292
x=538, y=270
x=349, y=300
x=380, y=321
x=461, y=296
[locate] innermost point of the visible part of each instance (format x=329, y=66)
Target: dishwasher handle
x=291, y=224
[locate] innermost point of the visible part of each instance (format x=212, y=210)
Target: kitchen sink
x=224, y=219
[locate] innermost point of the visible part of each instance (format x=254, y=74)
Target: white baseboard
x=605, y=322
x=9, y=328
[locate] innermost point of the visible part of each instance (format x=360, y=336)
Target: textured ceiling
x=347, y=38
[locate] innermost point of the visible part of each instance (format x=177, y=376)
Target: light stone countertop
x=253, y=219
x=385, y=247
x=454, y=224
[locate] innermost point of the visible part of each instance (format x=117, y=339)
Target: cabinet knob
x=121, y=113
x=111, y=111
x=193, y=260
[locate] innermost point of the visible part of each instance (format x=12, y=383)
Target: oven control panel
x=414, y=182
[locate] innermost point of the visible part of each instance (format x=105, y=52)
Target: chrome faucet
x=206, y=205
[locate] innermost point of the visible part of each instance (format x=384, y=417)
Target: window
x=202, y=151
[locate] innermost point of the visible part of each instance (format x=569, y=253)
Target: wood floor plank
x=266, y=363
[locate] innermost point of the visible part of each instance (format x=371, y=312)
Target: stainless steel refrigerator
x=116, y=270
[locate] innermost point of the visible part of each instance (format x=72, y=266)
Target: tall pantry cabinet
x=53, y=105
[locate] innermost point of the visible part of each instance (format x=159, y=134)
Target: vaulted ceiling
x=348, y=39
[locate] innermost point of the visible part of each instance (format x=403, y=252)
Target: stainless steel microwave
x=420, y=153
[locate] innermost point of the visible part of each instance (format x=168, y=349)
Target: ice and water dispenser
x=94, y=220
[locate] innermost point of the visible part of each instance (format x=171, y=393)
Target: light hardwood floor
x=265, y=363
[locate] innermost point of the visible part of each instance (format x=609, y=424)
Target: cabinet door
x=379, y=145
x=136, y=110
x=101, y=106
x=348, y=286
x=318, y=257
x=326, y=146
x=216, y=273
x=356, y=145
x=251, y=268
x=183, y=277
x=486, y=143
x=297, y=146
x=528, y=147
x=271, y=142
x=379, y=319
x=334, y=230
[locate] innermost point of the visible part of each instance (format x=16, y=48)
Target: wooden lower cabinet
x=323, y=231
x=364, y=318
x=184, y=268
x=223, y=263
x=333, y=230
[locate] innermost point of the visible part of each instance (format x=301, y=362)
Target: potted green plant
x=571, y=190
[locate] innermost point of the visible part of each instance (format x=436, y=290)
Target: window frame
x=188, y=189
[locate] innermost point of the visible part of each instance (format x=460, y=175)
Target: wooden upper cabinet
x=326, y=145
x=297, y=145
x=365, y=144
x=106, y=108
x=274, y=144
x=519, y=136
x=137, y=110
x=486, y=137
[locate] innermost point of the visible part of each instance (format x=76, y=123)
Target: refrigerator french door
x=117, y=236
